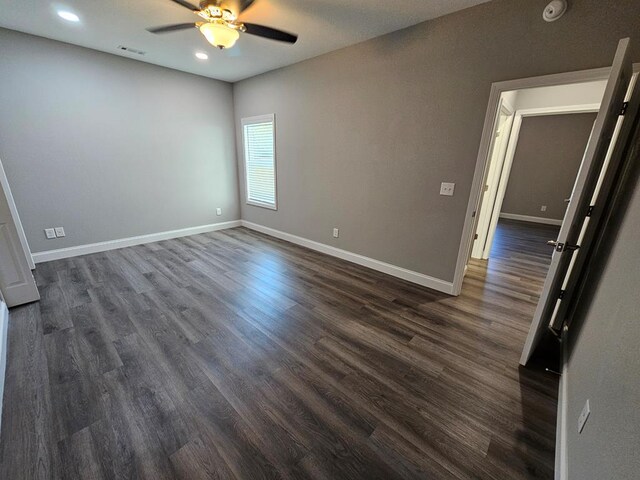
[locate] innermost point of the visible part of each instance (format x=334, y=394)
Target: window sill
x=262, y=205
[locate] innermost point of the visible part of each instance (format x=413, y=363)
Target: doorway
x=17, y=285
x=535, y=156
x=482, y=243
x=592, y=187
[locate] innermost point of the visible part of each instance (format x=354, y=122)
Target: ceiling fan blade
x=193, y=8
x=271, y=33
x=244, y=4
x=171, y=28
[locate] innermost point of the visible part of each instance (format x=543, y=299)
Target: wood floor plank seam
x=235, y=355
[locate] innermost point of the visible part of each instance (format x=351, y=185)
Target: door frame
x=4, y=183
x=511, y=153
x=496, y=163
x=491, y=116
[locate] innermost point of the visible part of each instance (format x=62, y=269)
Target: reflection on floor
x=235, y=355
x=520, y=258
x=520, y=250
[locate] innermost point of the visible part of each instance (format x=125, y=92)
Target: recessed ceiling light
x=69, y=16
x=202, y=55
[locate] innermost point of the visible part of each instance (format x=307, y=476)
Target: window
x=258, y=135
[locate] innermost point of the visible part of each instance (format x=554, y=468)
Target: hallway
x=519, y=254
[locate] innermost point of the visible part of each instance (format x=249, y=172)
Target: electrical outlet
x=218, y=211
x=59, y=232
x=584, y=415
x=447, y=189
x=50, y=233
x=543, y=208
x=336, y=233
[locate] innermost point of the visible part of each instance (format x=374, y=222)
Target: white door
x=16, y=281
x=498, y=189
x=497, y=156
x=578, y=210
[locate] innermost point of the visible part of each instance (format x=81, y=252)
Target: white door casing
x=498, y=150
x=495, y=211
x=4, y=183
x=16, y=281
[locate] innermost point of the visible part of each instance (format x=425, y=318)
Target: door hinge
x=623, y=110
x=561, y=295
x=475, y=237
x=590, y=211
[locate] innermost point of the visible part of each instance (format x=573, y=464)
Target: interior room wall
x=366, y=134
x=603, y=355
x=110, y=148
x=545, y=165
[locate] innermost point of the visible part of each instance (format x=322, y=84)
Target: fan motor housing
x=232, y=5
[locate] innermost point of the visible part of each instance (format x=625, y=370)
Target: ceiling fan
x=221, y=27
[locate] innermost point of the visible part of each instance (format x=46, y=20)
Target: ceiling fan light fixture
x=68, y=16
x=219, y=35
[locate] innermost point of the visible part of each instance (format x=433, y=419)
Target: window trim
x=250, y=121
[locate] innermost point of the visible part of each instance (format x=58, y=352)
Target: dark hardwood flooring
x=233, y=355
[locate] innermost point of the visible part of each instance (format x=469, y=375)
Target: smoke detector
x=554, y=10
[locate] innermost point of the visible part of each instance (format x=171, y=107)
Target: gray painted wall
x=109, y=147
x=547, y=159
x=366, y=134
x=604, y=355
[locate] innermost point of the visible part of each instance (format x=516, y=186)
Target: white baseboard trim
x=4, y=326
x=399, y=272
x=409, y=275
x=527, y=218
x=58, y=254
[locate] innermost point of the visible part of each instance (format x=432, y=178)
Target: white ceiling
x=322, y=25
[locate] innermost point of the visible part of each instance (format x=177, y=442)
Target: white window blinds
x=260, y=161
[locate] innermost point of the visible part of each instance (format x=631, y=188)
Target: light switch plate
x=584, y=415
x=50, y=233
x=543, y=208
x=447, y=189
x=218, y=211
x=336, y=233
x=60, y=232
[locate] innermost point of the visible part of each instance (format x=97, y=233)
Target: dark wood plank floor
x=233, y=355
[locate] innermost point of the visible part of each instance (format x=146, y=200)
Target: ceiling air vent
x=131, y=50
